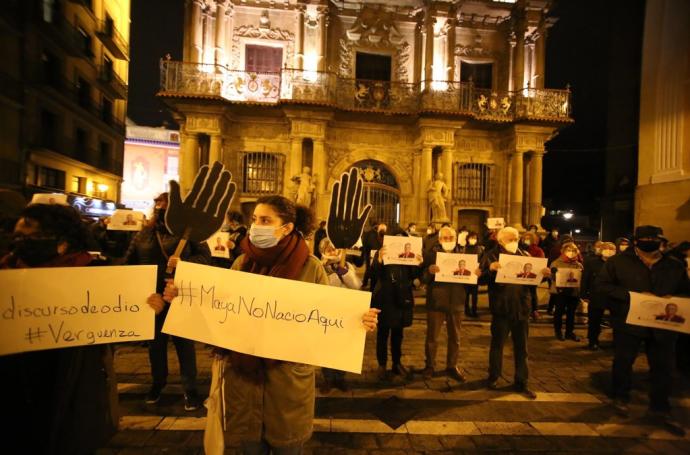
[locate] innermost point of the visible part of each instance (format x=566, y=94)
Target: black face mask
x=160, y=218
x=648, y=246
x=35, y=251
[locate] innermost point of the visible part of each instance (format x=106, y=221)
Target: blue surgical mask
x=263, y=236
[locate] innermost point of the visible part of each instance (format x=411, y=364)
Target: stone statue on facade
x=305, y=188
x=438, y=193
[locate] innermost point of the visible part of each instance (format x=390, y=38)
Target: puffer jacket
x=440, y=296
x=145, y=249
x=558, y=266
x=511, y=301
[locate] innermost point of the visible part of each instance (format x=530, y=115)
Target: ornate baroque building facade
x=412, y=92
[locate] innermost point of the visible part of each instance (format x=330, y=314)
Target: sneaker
x=572, y=336
x=456, y=374
x=154, y=395
x=428, y=373
x=192, y=402
x=400, y=370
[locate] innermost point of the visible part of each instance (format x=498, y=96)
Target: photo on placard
x=402, y=250
x=568, y=278
x=218, y=244
x=495, y=223
x=126, y=220
x=457, y=268
x=515, y=269
x=658, y=312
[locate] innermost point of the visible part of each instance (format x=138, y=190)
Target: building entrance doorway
x=473, y=220
x=381, y=190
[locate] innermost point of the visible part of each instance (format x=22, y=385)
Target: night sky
x=578, y=53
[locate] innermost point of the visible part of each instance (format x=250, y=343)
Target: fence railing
x=311, y=87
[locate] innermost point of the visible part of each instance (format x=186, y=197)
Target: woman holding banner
x=267, y=405
x=566, y=298
x=62, y=400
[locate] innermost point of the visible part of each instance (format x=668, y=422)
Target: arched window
x=262, y=173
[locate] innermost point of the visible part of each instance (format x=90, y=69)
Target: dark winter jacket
x=512, y=301
x=393, y=293
x=145, y=249
x=440, y=296
x=592, y=266
x=319, y=235
x=625, y=272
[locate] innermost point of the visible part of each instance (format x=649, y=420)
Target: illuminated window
x=263, y=59
x=262, y=173
x=474, y=183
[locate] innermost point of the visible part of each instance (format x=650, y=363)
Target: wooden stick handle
x=180, y=248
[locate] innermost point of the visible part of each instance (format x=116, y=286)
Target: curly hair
x=61, y=221
x=299, y=215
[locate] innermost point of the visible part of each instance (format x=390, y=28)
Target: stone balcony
x=291, y=86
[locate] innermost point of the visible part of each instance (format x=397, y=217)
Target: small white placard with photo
x=126, y=220
x=568, y=278
x=218, y=244
x=457, y=268
x=659, y=312
x=402, y=250
x=495, y=223
x=525, y=270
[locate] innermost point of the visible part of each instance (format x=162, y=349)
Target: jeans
x=158, y=356
x=396, y=336
x=263, y=448
x=565, y=304
x=471, y=295
x=519, y=330
x=434, y=322
x=660, y=350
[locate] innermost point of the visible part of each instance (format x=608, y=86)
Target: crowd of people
x=70, y=395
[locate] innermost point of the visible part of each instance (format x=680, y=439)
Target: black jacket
x=592, y=266
x=441, y=296
x=145, y=249
x=625, y=272
x=393, y=293
x=511, y=301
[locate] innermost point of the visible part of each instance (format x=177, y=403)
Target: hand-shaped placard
x=203, y=210
x=345, y=220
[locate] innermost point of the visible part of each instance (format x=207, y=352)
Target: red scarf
x=566, y=259
x=285, y=260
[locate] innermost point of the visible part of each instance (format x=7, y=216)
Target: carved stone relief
x=202, y=124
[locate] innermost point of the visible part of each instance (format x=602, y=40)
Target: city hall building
x=429, y=99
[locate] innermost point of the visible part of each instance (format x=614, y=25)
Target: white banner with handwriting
x=269, y=317
x=48, y=308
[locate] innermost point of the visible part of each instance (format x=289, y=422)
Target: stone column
x=516, y=188
x=447, y=169
x=540, y=51
x=320, y=172
x=418, y=46
x=293, y=165
x=425, y=177
x=189, y=161
x=215, y=152
x=450, y=50
x=299, y=39
x=511, y=43
x=197, y=32
x=323, y=30
x=535, y=172
x=429, y=49
x=229, y=12
x=519, y=59
x=221, y=19
x=530, y=67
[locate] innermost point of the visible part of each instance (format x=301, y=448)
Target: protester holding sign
x=472, y=290
x=643, y=269
x=444, y=302
x=268, y=405
x=155, y=245
x=62, y=400
x=393, y=296
x=596, y=303
x=510, y=306
x=566, y=298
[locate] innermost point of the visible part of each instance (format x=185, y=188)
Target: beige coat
x=281, y=410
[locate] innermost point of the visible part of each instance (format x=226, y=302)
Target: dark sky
x=579, y=52
x=156, y=30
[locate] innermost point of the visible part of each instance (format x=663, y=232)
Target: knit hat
x=648, y=231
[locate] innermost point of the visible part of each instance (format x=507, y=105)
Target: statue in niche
x=438, y=193
x=305, y=188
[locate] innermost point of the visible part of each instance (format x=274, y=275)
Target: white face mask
x=472, y=241
x=623, y=247
x=447, y=246
x=570, y=254
x=511, y=247
x=527, y=242
x=607, y=253
x=263, y=236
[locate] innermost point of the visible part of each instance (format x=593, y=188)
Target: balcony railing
x=112, y=39
x=111, y=82
x=183, y=79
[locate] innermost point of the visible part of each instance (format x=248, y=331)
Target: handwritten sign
x=269, y=317
x=402, y=250
x=520, y=269
x=568, y=278
x=126, y=220
x=218, y=244
x=48, y=308
x=457, y=268
x=659, y=313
